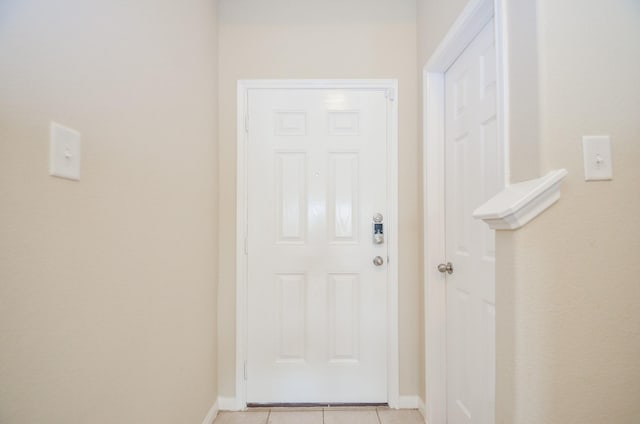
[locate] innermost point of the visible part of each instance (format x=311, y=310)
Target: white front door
x=473, y=175
x=317, y=304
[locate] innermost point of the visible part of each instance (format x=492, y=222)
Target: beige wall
x=107, y=285
x=434, y=20
x=575, y=336
x=568, y=326
x=328, y=39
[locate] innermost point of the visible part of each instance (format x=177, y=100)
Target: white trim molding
x=410, y=402
x=519, y=203
x=475, y=16
x=423, y=409
x=211, y=415
x=434, y=249
x=390, y=87
x=229, y=404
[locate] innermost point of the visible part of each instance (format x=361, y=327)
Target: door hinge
x=245, y=370
x=246, y=246
x=390, y=94
x=246, y=122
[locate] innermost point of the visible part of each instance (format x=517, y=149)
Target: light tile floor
x=336, y=415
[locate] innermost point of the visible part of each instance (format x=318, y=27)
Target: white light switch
x=597, y=157
x=64, y=152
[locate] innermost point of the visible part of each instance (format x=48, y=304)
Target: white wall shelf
x=519, y=203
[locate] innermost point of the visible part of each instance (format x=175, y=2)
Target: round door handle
x=377, y=261
x=448, y=268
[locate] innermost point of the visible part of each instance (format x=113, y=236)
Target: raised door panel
x=291, y=197
x=290, y=320
x=342, y=200
x=344, y=318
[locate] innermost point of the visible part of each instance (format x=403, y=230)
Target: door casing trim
x=468, y=25
x=390, y=87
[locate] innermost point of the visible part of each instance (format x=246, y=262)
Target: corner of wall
x=211, y=415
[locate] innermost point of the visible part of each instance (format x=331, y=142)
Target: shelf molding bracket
x=519, y=203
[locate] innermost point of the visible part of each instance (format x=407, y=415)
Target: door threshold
x=314, y=404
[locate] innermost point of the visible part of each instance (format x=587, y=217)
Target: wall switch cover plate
x=597, y=157
x=64, y=152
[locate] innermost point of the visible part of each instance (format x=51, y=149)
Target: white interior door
x=317, y=304
x=474, y=173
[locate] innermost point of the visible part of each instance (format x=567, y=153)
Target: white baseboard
x=211, y=415
x=228, y=404
x=423, y=409
x=409, y=402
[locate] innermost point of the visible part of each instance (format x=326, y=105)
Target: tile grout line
x=268, y=416
x=378, y=416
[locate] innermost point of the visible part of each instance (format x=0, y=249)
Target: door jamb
x=390, y=87
x=468, y=25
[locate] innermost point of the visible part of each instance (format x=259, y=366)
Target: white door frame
x=473, y=18
x=390, y=87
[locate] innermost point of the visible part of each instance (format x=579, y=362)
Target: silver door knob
x=377, y=261
x=448, y=268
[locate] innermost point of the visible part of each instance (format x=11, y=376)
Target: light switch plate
x=64, y=152
x=597, y=157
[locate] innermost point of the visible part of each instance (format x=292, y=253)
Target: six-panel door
x=317, y=306
x=474, y=173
